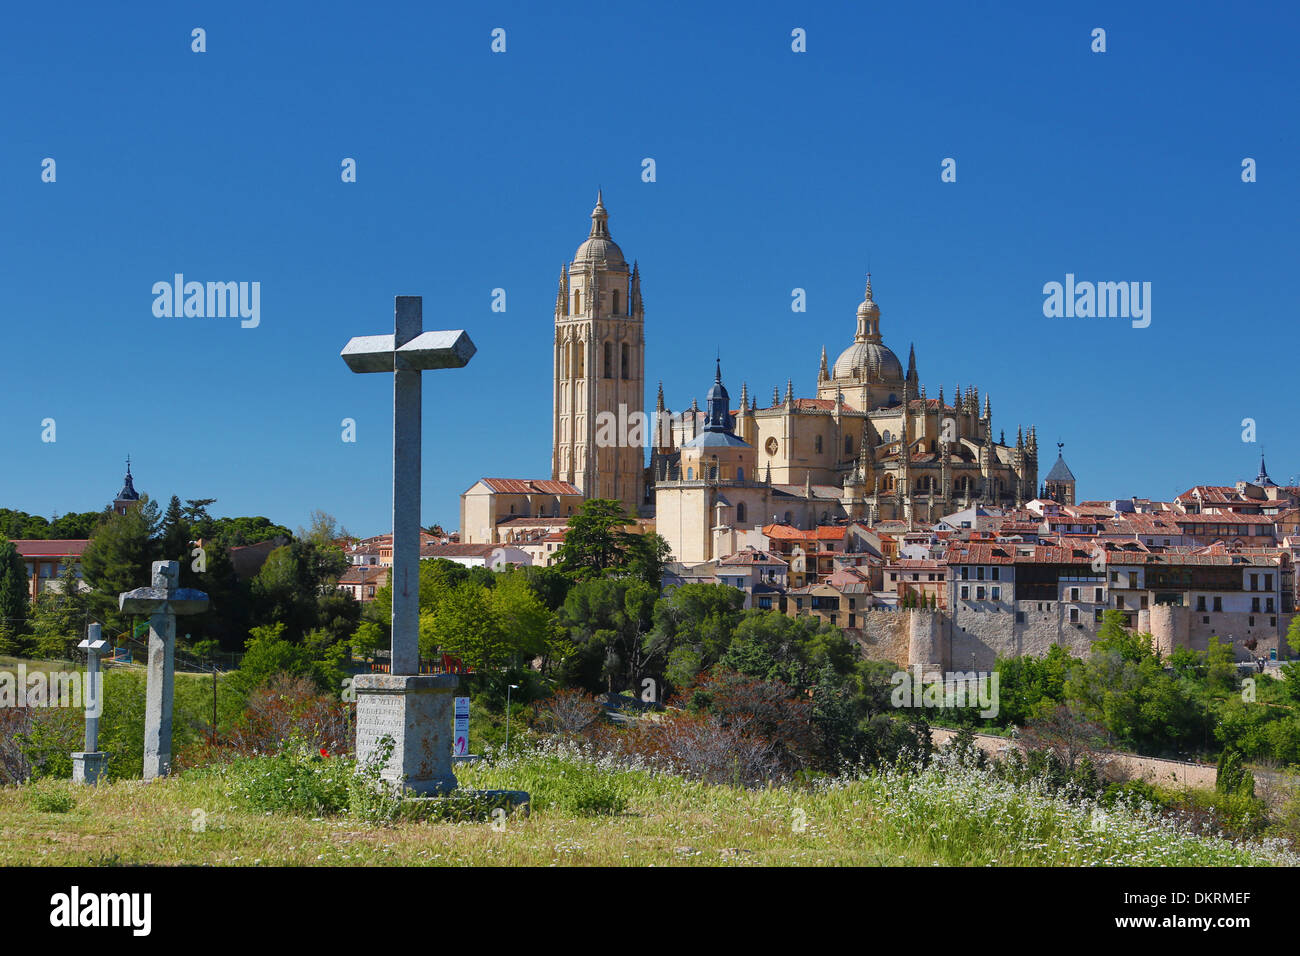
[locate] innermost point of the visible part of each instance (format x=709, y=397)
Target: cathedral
x=871, y=446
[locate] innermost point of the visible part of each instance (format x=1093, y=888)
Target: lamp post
x=509, y=688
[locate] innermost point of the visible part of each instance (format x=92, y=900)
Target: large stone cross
x=414, y=710
x=162, y=601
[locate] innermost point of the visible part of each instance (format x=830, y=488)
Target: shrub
x=594, y=797
x=570, y=711
x=298, y=781
x=46, y=799
x=285, y=708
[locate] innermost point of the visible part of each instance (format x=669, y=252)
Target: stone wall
x=1154, y=770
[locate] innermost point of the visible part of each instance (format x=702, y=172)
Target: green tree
x=1221, y=675
x=174, y=534
x=467, y=625
x=1232, y=776
x=120, y=558
x=702, y=617
x=14, y=593
x=60, y=615
x=197, y=518
x=77, y=526
x=598, y=544
x=608, y=620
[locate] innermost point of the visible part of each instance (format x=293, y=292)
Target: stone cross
x=414, y=710
x=89, y=765
x=162, y=601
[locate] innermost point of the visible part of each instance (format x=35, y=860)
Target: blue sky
x=775, y=170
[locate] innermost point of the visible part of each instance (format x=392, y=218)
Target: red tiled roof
x=530, y=486
x=50, y=547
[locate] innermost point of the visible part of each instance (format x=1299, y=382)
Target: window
x=609, y=360
x=1268, y=582
x=979, y=594
x=996, y=593
x=965, y=593
x=1206, y=619
x=1218, y=604
x=1268, y=605
x=690, y=474
x=1119, y=601
x=626, y=356
x=1200, y=602
x=979, y=574
x=1074, y=615
x=1020, y=617
x=740, y=512
x=1254, y=583
x=1254, y=605
x=848, y=444
x=817, y=444
x=965, y=573
x=577, y=301
x=1098, y=599
x=740, y=475
x=615, y=309
x=994, y=573
x=1074, y=594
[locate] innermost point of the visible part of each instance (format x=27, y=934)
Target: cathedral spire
x=823, y=373
x=599, y=219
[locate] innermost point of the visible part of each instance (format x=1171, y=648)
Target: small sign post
x=460, y=735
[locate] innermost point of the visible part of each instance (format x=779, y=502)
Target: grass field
x=949, y=817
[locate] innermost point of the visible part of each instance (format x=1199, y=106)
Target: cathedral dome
x=598, y=247
x=868, y=358
x=873, y=361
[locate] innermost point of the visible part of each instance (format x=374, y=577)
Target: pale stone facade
x=872, y=446
x=599, y=368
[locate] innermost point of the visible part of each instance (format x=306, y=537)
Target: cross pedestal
x=414, y=709
x=92, y=763
x=162, y=601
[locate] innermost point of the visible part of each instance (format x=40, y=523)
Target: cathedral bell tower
x=599, y=426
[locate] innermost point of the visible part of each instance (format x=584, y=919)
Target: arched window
x=885, y=436
x=615, y=309
x=609, y=360
x=577, y=301
x=740, y=512
x=740, y=474
x=848, y=444
x=626, y=356
x=690, y=474
x=787, y=517
x=817, y=444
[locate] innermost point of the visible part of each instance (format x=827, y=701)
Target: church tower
x=599, y=425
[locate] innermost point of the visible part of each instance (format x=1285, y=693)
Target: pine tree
x=175, y=533
x=120, y=558
x=13, y=597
